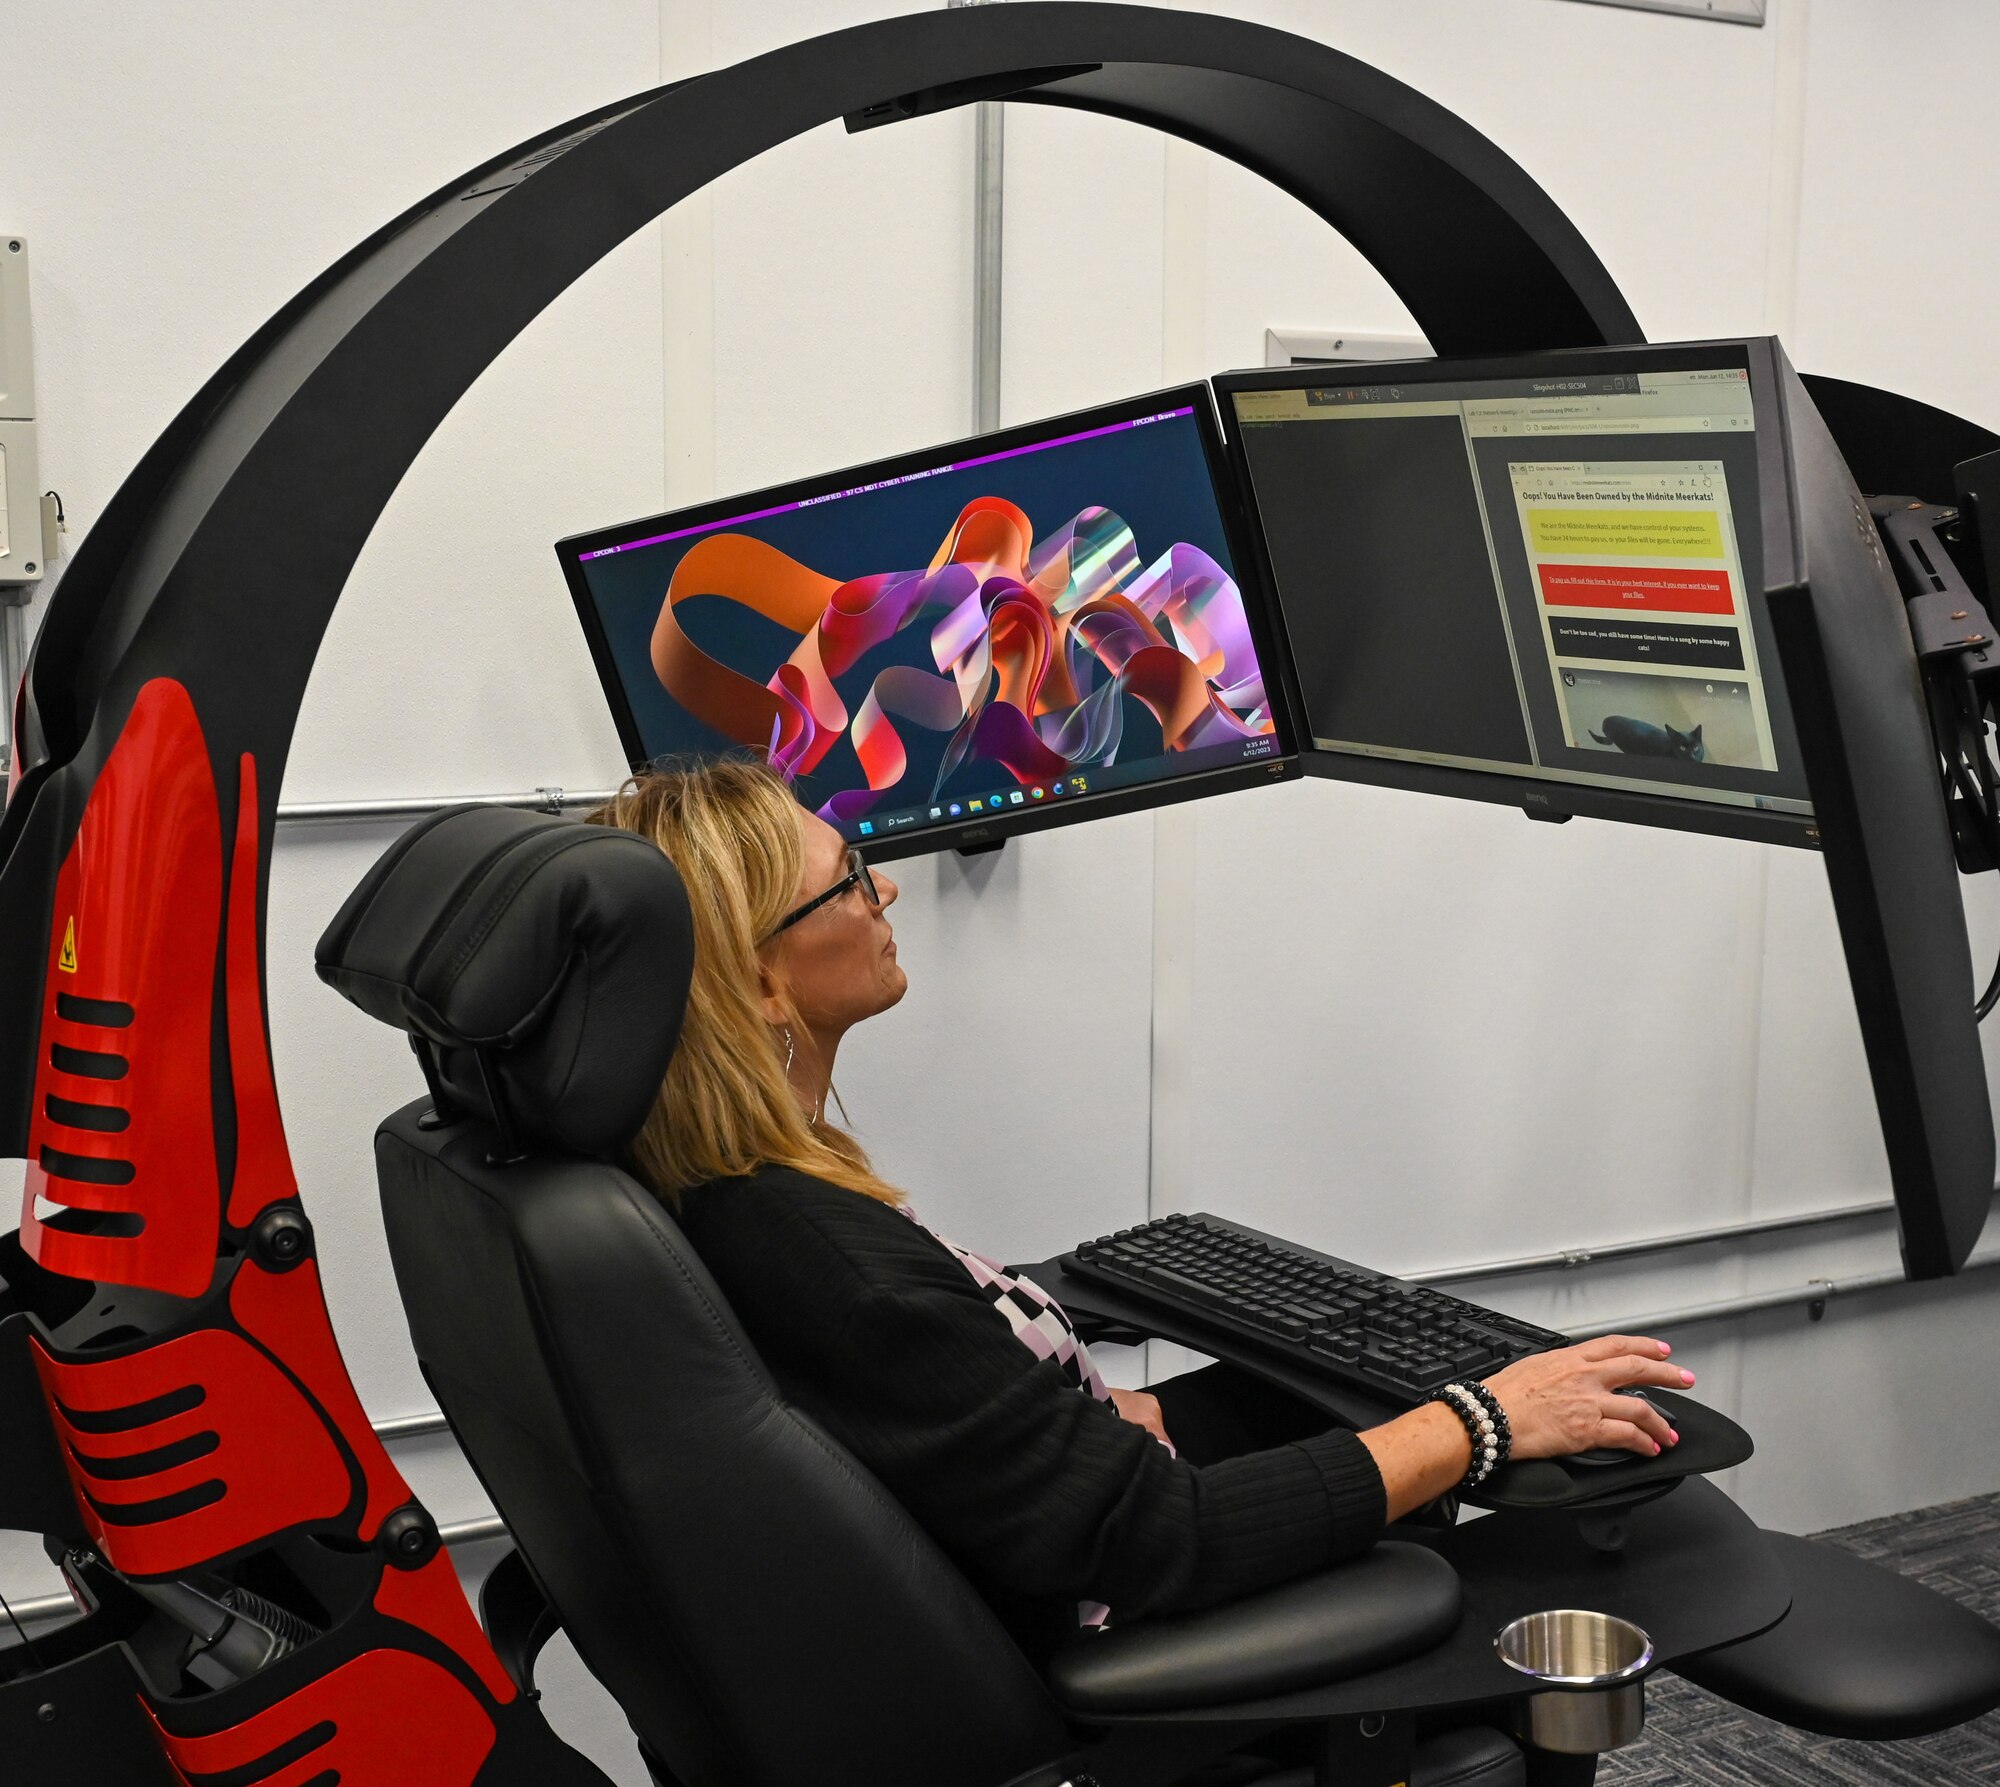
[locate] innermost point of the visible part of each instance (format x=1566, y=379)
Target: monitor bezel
x=1537, y=797
x=1260, y=609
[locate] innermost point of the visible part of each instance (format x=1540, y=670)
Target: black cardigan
x=1039, y=1493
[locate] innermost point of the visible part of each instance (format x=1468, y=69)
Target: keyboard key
x=1179, y=1284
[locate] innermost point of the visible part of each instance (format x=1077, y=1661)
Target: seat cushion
x=1387, y=1604
x=1864, y=1653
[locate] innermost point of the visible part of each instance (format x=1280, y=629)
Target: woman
x=964, y=1390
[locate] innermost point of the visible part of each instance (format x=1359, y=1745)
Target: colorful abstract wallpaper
x=1035, y=646
x=959, y=630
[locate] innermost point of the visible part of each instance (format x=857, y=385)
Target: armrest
x=517, y=1617
x=1386, y=1605
x=1863, y=1652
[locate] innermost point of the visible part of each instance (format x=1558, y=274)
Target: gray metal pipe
x=1816, y=1291
x=1572, y=1258
x=415, y=806
x=13, y=660
x=989, y=168
x=410, y=1427
x=44, y=1608
x=419, y=1426
x=40, y=1611
x=989, y=177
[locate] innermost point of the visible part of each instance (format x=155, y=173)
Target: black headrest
x=558, y=953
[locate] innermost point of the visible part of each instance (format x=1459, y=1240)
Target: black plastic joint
x=282, y=1239
x=409, y=1538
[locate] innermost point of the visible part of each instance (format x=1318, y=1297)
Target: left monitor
x=1051, y=623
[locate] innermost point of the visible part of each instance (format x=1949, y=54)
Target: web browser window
x=1557, y=578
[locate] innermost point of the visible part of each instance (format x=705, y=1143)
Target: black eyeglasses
x=857, y=876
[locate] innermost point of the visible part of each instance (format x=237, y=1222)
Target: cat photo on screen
x=1641, y=738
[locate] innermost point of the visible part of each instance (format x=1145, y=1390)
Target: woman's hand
x=1142, y=1410
x=1556, y=1403
x=1567, y=1401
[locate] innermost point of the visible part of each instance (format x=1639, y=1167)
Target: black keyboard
x=1394, y=1341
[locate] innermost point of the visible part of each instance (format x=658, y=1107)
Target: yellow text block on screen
x=1632, y=533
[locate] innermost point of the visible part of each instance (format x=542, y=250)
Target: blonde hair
x=725, y=1109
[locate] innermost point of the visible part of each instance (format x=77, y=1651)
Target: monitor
x=1537, y=581
x=1046, y=624
x=1638, y=583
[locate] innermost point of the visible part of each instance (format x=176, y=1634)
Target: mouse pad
x=1709, y=1442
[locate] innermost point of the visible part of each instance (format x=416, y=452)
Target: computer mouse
x=1615, y=1454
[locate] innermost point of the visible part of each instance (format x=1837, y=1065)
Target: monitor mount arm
x=1942, y=541
x=1958, y=652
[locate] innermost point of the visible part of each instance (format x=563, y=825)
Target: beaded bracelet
x=1498, y=1416
x=1485, y=1425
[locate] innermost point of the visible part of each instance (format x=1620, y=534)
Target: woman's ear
x=772, y=997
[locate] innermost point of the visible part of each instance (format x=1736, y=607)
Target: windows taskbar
x=1013, y=799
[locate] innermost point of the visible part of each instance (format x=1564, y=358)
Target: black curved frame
x=319, y=414
x=187, y=577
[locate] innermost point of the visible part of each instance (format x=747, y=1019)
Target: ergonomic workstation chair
x=164, y=1280
x=761, y=1609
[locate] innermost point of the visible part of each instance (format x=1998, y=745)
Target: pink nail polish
x=1687, y=1377
x=1664, y=1349
x=1656, y=1448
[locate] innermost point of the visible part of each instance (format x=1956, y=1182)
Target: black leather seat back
x=761, y=1609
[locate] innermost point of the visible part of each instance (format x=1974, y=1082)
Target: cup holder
x=1586, y=1669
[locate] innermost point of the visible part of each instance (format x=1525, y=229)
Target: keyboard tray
x=1710, y=1441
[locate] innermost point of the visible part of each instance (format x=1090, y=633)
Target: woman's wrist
x=1421, y=1455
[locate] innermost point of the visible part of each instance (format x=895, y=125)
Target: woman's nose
x=886, y=888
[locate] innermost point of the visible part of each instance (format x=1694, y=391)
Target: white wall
x=1513, y=1039
x=1416, y=1032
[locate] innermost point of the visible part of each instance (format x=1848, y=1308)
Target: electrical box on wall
x=1336, y=347
x=21, y=555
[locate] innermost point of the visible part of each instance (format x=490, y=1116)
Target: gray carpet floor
x=1693, y=1739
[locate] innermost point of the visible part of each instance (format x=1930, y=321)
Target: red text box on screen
x=1655, y=590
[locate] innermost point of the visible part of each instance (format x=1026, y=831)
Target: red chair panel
x=387, y=1719
x=123, y=1120
x=286, y=1312
x=433, y=1600
x=190, y=1450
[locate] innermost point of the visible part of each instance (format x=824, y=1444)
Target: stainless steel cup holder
x=1588, y=1695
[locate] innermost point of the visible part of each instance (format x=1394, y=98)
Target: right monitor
x=1538, y=581
x=1637, y=583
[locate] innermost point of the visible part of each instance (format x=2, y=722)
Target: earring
x=791, y=1049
